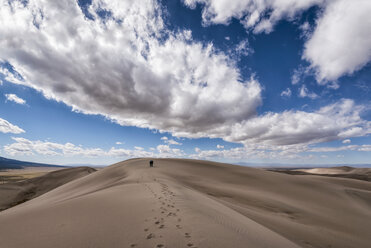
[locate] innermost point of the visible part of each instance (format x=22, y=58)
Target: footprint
x=146, y=230
x=160, y=245
x=189, y=244
x=157, y=222
x=150, y=236
x=187, y=235
x=179, y=226
x=162, y=226
x=133, y=245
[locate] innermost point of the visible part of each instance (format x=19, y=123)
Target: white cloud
x=167, y=151
x=9, y=76
x=170, y=141
x=303, y=92
x=118, y=143
x=15, y=98
x=341, y=41
x=152, y=77
x=346, y=141
x=7, y=127
x=243, y=48
x=274, y=152
x=219, y=146
x=155, y=78
x=286, y=93
x=365, y=148
x=138, y=148
x=128, y=153
x=173, y=142
x=258, y=15
x=339, y=44
x=251, y=152
x=337, y=121
x=306, y=29
x=23, y=146
x=361, y=148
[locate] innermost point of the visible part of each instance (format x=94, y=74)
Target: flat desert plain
x=191, y=203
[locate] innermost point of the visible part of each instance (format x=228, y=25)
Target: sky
x=98, y=81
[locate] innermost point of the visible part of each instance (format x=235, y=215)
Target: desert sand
x=339, y=171
x=190, y=203
x=36, y=181
x=16, y=175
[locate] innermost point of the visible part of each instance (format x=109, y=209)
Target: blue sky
x=275, y=82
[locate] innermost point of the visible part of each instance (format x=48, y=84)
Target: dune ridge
x=191, y=203
x=15, y=193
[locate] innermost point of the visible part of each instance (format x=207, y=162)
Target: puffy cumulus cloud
x=167, y=151
x=219, y=146
x=341, y=41
x=346, y=141
x=23, y=146
x=7, y=127
x=339, y=44
x=126, y=66
x=253, y=14
x=337, y=121
x=15, y=98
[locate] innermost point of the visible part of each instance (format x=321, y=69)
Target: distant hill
x=6, y=163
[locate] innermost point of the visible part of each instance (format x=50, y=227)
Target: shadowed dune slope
x=12, y=194
x=190, y=203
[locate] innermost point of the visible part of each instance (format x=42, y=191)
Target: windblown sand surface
x=14, y=193
x=341, y=171
x=16, y=175
x=189, y=203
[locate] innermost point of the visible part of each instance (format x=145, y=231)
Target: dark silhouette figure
x=151, y=163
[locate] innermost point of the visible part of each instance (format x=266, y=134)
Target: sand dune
x=340, y=171
x=18, y=192
x=189, y=203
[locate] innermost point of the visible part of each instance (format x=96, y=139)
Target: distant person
x=151, y=163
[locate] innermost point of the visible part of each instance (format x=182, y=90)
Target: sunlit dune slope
x=190, y=203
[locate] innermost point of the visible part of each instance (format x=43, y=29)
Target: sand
x=190, y=203
x=16, y=175
x=340, y=171
x=35, y=182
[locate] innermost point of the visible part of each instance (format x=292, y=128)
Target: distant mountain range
x=6, y=163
